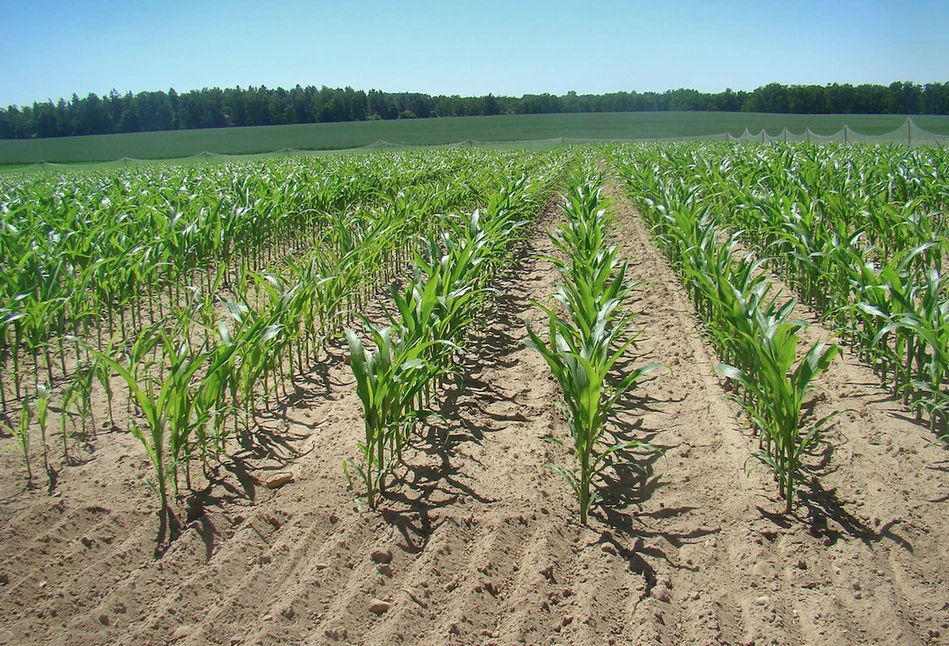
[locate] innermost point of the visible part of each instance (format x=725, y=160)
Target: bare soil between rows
x=477, y=542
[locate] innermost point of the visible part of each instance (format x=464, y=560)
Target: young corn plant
x=21, y=431
x=178, y=400
x=103, y=375
x=388, y=380
x=162, y=404
x=581, y=366
x=582, y=352
x=42, y=418
x=254, y=336
x=67, y=416
x=779, y=391
x=211, y=402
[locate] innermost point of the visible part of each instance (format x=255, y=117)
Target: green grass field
x=416, y=132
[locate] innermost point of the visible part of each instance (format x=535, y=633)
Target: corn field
x=856, y=233
x=190, y=299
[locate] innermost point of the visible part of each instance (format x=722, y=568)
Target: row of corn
x=749, y=325
x=194, y=364
x=93, y=254
x=589, y=330
x=397, y=375
x=860, y=234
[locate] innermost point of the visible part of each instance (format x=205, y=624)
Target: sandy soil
x=479, y=544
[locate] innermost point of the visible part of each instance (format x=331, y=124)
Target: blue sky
x=53, y=48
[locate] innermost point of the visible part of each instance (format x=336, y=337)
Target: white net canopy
x=909, y=134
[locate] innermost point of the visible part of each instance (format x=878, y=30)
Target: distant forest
x=262, y=106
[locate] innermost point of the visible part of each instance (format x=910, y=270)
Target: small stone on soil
x=661, y=593
x=382, y=556
x=279, y=479
x=379, y=607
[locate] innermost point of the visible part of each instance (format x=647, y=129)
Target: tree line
x=262, y=106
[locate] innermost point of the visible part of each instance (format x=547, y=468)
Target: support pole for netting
x=807, y=133
x=785, y=134
x=845, y=134
x=727, y=137
x=909, y=136
x=762, y=135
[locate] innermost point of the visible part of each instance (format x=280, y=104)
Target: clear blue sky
x=53, y=48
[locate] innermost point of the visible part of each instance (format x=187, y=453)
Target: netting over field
x=908, y=134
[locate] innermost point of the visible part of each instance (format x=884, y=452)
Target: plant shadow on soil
x=234, y=477
x=826, y=518
x=627, y=484
x=823, y=505
x=423, y=488
x=630, y=482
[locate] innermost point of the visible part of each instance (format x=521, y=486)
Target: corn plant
x=582, y=352
x=162, y=405
x=65, y=417
x=21, y=431
x=779, y=390
x=388, y=380
x=42, y=418
x=103, y=374
x=176, y=403
x=216, y=396
x=78, y=394
x=581, y=366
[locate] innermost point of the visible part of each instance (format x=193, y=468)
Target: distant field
x=414, y=132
